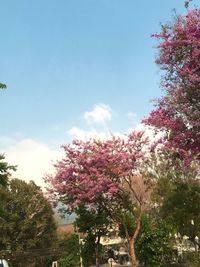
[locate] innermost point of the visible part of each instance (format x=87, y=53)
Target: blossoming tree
x=108, y=173
x=178, y=112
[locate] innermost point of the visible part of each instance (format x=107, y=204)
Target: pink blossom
x=94, y=169
x=177, y=113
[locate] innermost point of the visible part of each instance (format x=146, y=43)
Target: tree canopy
x=178, y=111
x=28, y=222
x=5, y=169
x=5, y=174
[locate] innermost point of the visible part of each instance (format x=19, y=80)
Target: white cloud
x=100, y=114
x=80, y=134
x=131, y=115
x=6, y=142
x=33, y=160
x=148, y=131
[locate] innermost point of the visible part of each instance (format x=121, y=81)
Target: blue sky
x=67, y=61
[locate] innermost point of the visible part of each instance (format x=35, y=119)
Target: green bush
x=67, y=261
x=153, y=245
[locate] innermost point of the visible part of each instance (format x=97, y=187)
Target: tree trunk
x=132, y=240
x=132, y=252
x=97, y=255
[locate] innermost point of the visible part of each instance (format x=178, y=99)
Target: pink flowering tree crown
x=178, y=112
x=179, y=49
x=94, y=169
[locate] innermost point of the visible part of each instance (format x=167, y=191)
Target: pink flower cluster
x=95, y=169
x=178, y=112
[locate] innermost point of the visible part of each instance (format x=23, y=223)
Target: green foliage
x=71, y=251
x=88, y=251
x=93, y=223
x=153, y=246
x=177, y=193
x=69, y=243
x=28, y=222
x=67, y=261
x=181, y=207
x=5, y=169
x=2, y=86
x=92, y=220
x=129, y=221
x=127, y=213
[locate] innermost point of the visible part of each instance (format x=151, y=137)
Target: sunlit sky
x=74, y=68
